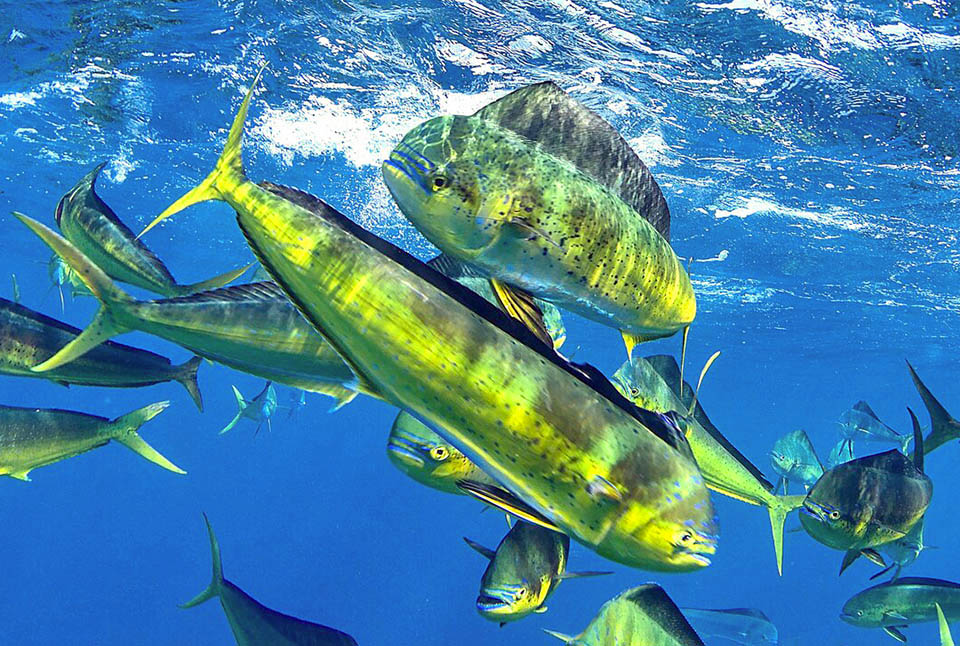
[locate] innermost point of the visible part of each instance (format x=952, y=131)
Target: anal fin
x=507, y=502
x=894, y=632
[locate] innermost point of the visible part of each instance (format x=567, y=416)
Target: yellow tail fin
x=226, y=174
x=779, y=507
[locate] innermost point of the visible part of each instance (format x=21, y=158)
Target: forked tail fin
x=104, y=324
x=241, y=407
x=212, y=590
x=125, y=432
x=226, y=174
x=943, y=427
x=187, y=377
x=779, y=507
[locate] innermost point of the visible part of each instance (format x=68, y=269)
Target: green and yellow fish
x=524, y=570
x=641, y=616
x=254, y=624
x=897, y=604
x=541, y=194
x=95, y=229
x=572, y=452
x=252, y=328
x=35, y=437
x=28, y=338
x=428, y=458
x=654, y=383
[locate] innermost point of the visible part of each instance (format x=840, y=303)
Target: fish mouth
x=495, y=602
x=814, y=510
x=407, y=167
x=406, y=450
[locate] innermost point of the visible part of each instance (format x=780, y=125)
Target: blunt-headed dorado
x=655, y=383
x=537, y=191
x=619, y=479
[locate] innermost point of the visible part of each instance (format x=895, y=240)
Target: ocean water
x=808, y=153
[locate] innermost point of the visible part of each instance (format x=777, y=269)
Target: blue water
x=810, y=145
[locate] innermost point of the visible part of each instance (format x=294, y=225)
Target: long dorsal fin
x=864, y=407
x=917, y=441
x=565, y=128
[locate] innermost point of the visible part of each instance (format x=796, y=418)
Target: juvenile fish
x=28, y=338
x=747, y=626
x=840, y=453
x=95, y=230
x=524, y=570
x=641, y=616
x=541, y=194
x=428, y=458
x=899, y=603
x=558, y=438
x=254, y=624
x=259, y=409
x=35, y=437
x=795, y=460
x=861, y=424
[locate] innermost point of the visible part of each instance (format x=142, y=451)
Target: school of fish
x=538, y=206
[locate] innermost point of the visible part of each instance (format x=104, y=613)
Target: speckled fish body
x=537, y=191
x=92, y=226
x=795, y=460
x=252, y=328
x=867, y=502
x=35, y=437
x=908, y=600
x=653, y=383
x=254, y=624
x=28, y=338
x=523, y=573
x=428, y=458
x=641, y=616
x=618, y=479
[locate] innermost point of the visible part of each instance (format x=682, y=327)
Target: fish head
x=436, y=176
x=828, y=521
x=503, y=600
x=553, y=322
x=58, y=270
x=637, y=380
x=425, y=456
x=863, y=610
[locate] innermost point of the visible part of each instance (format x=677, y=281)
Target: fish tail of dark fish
x=213, y=590
x=187, y=377
x=943, y=427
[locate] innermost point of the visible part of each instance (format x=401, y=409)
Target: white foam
x=747, y=206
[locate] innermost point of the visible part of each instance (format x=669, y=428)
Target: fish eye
x=859, y=613
x=635, y=391
x=439, y=453
x=439, y=182
x=686, y=537
x=835, y=515
x=521, y=593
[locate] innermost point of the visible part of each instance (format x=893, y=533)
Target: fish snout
x=406, y=450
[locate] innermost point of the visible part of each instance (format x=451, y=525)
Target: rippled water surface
x=808, y=152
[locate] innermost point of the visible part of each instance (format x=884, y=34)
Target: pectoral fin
x=849, y=557
x=480, y=549
x=507, y=502
x=521, y=306
x=580, y=575
x=21, y=475
x=873, y=556
x=566, y=639
x=894, y=632
x=541, y=610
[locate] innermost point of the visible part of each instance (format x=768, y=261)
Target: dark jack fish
x=795, y=460
x=524, y=571
x=544, y=196
x=95, y=230
x=869, y=501
x=897, y=604
x=569, y=451
x=943, y=428
x=28, y=338
x=252, y=328
x=641, y=616
x=254, y=624
x=35, y=437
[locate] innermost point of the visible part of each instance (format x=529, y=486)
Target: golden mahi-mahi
x=28, y=338
x=538, y=192
x=92, y=226
x=654, y=383
x=559, y=437
x=35, y=437
x=252, y=328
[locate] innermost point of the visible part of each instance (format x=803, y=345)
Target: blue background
x=814, y=142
